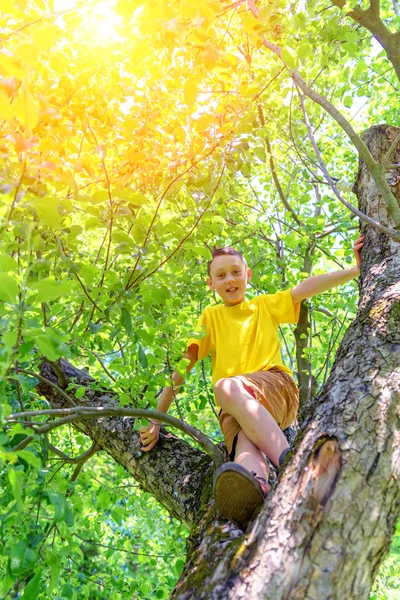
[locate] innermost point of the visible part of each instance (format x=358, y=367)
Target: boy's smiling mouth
x=231, y=290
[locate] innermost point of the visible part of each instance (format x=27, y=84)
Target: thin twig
x=135, y=553
x=79, y=459
x=390, y=232
x=88, y=412
x=51, y=384
x=391, y=149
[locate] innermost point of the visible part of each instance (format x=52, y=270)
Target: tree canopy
x=135, y=137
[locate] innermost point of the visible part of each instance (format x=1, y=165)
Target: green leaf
x=137, y=199
x=47, y=211
x=120, y=237
x=289, y=57
x=142, y=357
x=46, y=347
x=179, y=564
x=305, y=50
x=181, y=366
x=126, y=320
x=348, y=101
x=94, y=327
x=202, y=251
x=8, y=288
x=80, y=392
x=260, y=153
x=16, y=477
x=104, y=500
x=22, y=558
x=7, y=263
x=30, y=458
x=31, y=591
x=54, y=562
x=124, y=400
x=59, y=503
x=50, y=289
x=69, y=517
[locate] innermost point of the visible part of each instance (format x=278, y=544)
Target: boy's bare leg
x=250, y=457
x=257, y=423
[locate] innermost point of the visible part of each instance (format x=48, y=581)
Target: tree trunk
x=328, y=523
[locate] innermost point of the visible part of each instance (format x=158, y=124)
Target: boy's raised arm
x=321, y=283
x=149, y=435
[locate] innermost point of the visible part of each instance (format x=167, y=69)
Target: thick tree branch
x=371, y=20
x=176, y=474
x=87, y=412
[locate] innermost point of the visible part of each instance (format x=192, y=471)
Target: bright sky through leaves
x=99, y=20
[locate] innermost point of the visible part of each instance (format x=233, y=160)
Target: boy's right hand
x=149, y=436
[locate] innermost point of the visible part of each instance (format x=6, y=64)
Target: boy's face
x=229, y=277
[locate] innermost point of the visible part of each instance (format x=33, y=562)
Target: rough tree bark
x=327, y=524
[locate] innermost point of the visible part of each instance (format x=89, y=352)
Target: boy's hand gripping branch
x=321, y=283
x=150, y=434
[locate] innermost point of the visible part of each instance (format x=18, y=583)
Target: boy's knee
x=226, y=390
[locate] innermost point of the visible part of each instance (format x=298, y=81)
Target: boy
x=254, y=390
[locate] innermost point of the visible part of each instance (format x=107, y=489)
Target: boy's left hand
x=358, y=244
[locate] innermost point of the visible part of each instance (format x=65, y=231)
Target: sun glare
x=100, y=21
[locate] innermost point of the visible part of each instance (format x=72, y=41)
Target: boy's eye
x=220, y=275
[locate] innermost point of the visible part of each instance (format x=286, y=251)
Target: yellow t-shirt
x=244, y=338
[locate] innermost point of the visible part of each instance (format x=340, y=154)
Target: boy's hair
x=223, y=251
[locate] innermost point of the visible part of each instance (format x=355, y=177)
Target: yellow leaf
x=180, y=134
x=141, y=50
x=210, y=56
x=137, y=157
x=26, y=109
x=248, y=91
x=189, y=92
x=250, y=24
x=58, y=65
x=203, y=122
x=45, y=36
x=189, y=9
x=9, y=7
x=86, y=163
x=6, y=111
x=125, y=8
x=10, y=68
x=28, y=54
x=207, y=13
x=47, y=144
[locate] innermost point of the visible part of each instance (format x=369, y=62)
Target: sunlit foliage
x=135, y=136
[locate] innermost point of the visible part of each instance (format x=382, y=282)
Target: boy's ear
x=209, y=283
x=249, y=274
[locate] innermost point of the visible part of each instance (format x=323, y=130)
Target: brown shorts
x=275, y=390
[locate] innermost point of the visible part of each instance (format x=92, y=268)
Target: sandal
x=238, y=494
